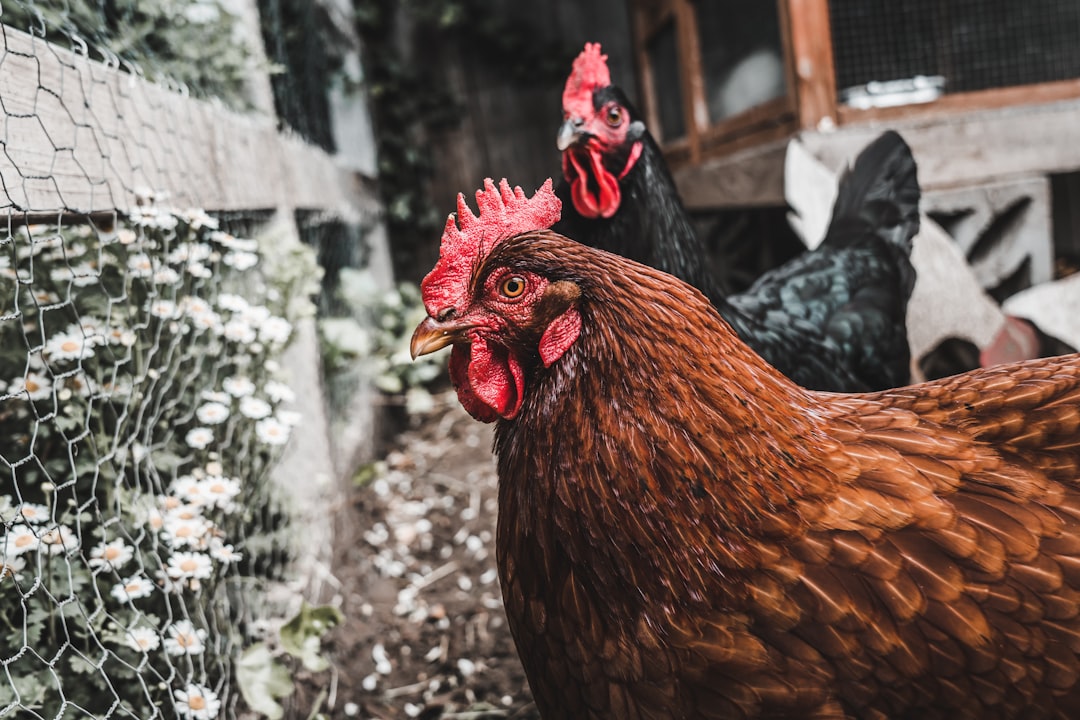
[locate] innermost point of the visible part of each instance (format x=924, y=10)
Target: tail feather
x=879, y=194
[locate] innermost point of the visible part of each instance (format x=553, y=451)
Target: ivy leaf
x=262, y=680
x=301, y=636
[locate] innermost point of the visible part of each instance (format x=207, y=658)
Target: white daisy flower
x=238, y=386
x=12, y=567
x=208, y=321
x=279, y=392
x=33, y=513
x=198, y=219
x=121, y=336
x=110, y=555
x=272, y=432
x=59, y=539
x=18, y=540
x=241, y=261
x=183, y=638
x=153, y=218
x=275, y=330
x=184, y=487
x=187, y=532
x=132, y=588
x=232, y=302
x=212, y=413
x=255, y=315
x=166, y=276
x=239, y=331
x=199, y=437
x=91, y=330
x=126, y=236
x=197, y=703
x=194, y=565
x=224, y=554
x=198, y=270
x=195, y=306
x=37, y=385
x=155, y=520
x=189, y=253
x=44, y=297
x=81, y=275
x=234, y=243
x=216, y=396
x=141, y=265
x=219, y=491
x=39, y=241
x=254, y=408
x=142, y=639
x=176, y=510
x=81, y=384
x=67, y=346
x=164, y=309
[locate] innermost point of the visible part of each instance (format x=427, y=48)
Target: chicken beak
x=431, y=335
x=570, y=132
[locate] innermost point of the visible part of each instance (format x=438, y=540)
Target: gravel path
x=425, y=635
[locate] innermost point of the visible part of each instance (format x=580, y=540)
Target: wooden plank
x=976, y=147
x=695, y=109
x=753, y=177
x=79, y=137
x=809, y=37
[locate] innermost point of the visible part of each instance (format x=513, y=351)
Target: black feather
x=830, y=319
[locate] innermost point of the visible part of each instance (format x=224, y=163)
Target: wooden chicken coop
x=986, y=92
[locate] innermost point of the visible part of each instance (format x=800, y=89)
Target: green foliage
x=301, y=636
x=192, y=42
x=263, y=680
x=262, y=675
x=374, y=336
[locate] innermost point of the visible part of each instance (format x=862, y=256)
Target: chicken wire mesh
x=972, y=44
x=142, y=406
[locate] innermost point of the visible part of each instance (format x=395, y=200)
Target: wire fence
x=142, y=400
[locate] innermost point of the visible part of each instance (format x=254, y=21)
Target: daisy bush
x=141, y=406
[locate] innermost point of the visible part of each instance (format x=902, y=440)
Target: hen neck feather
x=658, y=430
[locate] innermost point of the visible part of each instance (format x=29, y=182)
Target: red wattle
x=459, y=376
x=489, y=381
x=605, y=201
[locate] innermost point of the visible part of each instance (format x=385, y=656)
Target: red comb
x=467, y=238
x=590, y=73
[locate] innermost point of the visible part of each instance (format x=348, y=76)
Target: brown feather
x=683, y=533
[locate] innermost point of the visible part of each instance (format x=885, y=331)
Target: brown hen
x=685, y=533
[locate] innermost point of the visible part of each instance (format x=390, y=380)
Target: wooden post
x=695, y=108
x=807, y=34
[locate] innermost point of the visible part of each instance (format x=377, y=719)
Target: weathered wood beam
x=969, y=148
x=747, y=178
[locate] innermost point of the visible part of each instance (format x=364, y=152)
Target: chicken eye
x=513, y=286
x=614, y=116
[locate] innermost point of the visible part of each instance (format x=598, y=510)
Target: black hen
x=831, y=319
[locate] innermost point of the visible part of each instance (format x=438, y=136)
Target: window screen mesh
x=973, y=44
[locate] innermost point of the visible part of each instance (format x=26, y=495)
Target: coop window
x=742, y=59
x=960, y=45
x=664, y=61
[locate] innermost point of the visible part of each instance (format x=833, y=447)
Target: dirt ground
x=425, y=635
